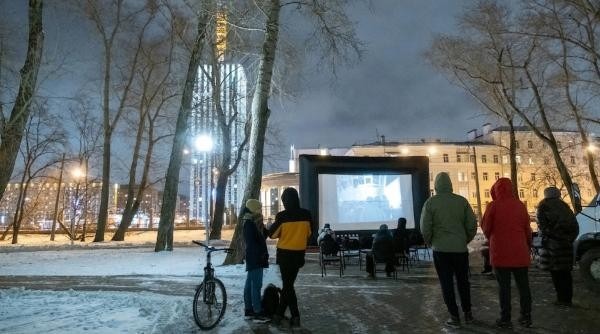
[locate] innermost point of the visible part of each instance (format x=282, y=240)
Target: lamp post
x=204, y=144
x=77, y=173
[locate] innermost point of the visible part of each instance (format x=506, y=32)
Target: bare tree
x=12, y=129
x=111, y=18
x=334, y=34
x=164, y=239
x=41, y=150
x=471, y=62
x=571, y=28
x=155, y=91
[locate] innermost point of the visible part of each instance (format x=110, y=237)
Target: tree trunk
x=20, y=206
x=57, y=201
x=260, y=117
x=104, y=194
x=128, y=211
x=219, y=209
x=13, y=132
x=164, y=238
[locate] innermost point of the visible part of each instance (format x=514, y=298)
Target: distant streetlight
x=591, y=148
x=204, y=143
x=432, y=150
x=78, y=173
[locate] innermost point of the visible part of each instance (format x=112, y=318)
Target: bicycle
x=210, y=299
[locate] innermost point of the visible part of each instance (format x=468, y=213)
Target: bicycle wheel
x=210, y=302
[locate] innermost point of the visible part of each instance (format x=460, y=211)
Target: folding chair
x=381, y=270
x=325, y=260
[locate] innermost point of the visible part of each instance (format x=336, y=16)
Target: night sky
x=393, y=91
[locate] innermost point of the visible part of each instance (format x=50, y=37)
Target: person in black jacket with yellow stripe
x=292, y=227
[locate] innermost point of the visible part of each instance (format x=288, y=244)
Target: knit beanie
x=551, y=192
x=254, y=205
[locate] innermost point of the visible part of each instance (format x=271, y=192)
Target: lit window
x=518, y=158
x=504, y=159
x=530, y=161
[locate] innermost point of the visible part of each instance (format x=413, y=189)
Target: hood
x=551, y=192
x=290, y=199
x=502, y=189
x=443, y=185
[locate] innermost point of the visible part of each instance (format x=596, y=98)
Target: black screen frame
x=313, y=165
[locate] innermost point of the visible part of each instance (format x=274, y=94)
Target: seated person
x=326, y=240
x=383, y=250
x=325, y=230
x=401, y=237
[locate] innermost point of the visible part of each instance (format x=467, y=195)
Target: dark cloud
x=393, y=91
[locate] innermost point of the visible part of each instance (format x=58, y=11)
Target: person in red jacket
x=506, y=226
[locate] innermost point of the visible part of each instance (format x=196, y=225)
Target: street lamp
x=204, y=143
x=78, y=173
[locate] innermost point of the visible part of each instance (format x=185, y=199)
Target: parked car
x=587, y=244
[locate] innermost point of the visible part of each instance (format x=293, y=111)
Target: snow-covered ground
x=136, y=238
x=47, y=311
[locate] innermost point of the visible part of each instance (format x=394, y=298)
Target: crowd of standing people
x=447, y=225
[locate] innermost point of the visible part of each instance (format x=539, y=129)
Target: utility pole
x=62, y=165
x=479, y=214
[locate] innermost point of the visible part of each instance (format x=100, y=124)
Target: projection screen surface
x=365, y=201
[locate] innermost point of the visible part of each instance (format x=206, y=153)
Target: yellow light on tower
x=221, y=35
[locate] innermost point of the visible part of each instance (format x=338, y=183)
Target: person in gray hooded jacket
x=448, y=225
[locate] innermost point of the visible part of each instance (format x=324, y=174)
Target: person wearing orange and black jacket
x=292, y=227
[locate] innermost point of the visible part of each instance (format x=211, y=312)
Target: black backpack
x=270, y=300
x=330, y=247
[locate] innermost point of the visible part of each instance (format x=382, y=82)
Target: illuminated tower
x=205, y=135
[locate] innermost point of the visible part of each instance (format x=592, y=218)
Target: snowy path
x=139, y=291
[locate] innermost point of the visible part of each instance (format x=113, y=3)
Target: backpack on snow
x=270, y=300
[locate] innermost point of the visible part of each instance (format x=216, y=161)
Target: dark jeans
x=447, y=266
x=289, y=272
x=563, y=284
x=522, y=280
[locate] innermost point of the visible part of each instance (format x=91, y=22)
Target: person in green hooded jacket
x=448, y=225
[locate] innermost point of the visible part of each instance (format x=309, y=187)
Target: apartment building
x=483, y=157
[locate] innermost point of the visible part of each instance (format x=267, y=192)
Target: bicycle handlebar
x=212, y=248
